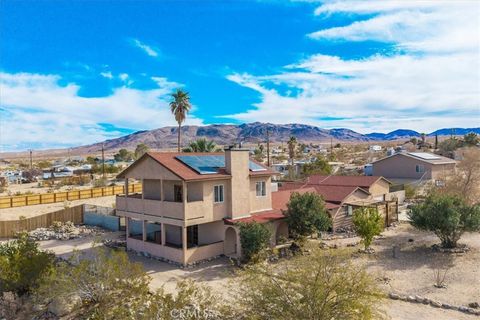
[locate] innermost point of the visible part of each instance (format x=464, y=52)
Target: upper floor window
x=218, y=193
x=261, y=189
x=419, y=168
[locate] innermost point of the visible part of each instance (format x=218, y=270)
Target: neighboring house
x=191, y=204
x=344, y=194
x=414, y=166
x=375, y=148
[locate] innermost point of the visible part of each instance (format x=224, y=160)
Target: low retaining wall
x=111, y=223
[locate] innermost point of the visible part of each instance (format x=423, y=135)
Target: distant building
x=420, y=166
x=375, y=148
x=368, y=169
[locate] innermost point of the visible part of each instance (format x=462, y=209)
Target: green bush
x=319, y=286
x=306, y=214
x=448, y=216
x=23, y=265
x=368, y=223
x=254, y=238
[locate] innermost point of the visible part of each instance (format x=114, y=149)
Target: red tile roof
x=261, y=217
x=281, y=198
x=351, y=181
x=184, y=172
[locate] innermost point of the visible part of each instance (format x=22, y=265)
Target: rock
x=435, y=303
x=419, y=299
x=63, y=306
x=411, y=299
x=394, y=296
x=448, y=306
x=463, y=309
x=474, y=305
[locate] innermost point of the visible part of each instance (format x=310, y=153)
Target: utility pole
x=268, y=147
x=31, y=161
x=103, y=161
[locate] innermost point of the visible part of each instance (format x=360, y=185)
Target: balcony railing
x=169, y=209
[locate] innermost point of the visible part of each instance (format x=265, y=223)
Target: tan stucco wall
x=195, y=191
x=152, y=189
x=401, y=167
x=236, y=163
x=260, y=203
x=147, y=168
x=210, y=232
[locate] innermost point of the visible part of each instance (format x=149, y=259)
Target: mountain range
x=224, y=134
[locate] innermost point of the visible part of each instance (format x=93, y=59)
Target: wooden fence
x=45, y=198
x=9, y=228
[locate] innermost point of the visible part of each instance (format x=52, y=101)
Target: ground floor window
x=154, y=232
x=135, y=229
x=192, y=236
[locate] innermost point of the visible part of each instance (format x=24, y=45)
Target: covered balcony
x=165, y=198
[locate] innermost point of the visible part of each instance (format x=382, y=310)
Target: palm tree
x=292, y=142
x=180, y=106
x=201, y=145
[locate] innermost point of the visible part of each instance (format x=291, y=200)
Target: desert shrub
x=319, y=286
x=448, y=216
x=367, y=223
x=23, y=265
x=254, y=239
x=410, y=191
x=306, y=214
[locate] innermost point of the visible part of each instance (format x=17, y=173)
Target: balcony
x=168, y=209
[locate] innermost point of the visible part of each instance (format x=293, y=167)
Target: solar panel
x=255, y=167
x=425, y=155
x=209, y=164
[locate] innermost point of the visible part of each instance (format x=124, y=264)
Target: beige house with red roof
x=343, y=194
x=191, y=203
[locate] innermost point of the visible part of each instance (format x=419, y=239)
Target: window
x=218, y=193
x=419, y=168
x=349, y=211
x=192, y=236
x=261, y=189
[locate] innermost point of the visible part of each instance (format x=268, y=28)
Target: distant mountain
x=455, y=131
x=394, y=135
x=255, y=132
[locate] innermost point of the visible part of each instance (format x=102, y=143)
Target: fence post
x=91, y=193
x=26, y=200
x=11, y=202
x=54, y=197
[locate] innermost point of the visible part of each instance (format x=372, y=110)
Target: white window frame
x=221, y=195
x=263, y=189
x=418, y=167
x=349, y=211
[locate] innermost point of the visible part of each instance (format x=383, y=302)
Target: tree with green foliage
x=368, y=223
x=254, y=239
x=306, y=214
x=448, y=146
x=471, y=139
x=292, y=142
x=124, y=155
x=323, y=285
x=23, y=265
x=258, y=154
x=319, y=166
x=448, y=216
x=140, y=150
x=201, y=145
x=180, y=106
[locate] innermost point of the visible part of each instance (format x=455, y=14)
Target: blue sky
x=77, y=72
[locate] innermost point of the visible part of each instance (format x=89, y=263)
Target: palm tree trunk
x=178, y=140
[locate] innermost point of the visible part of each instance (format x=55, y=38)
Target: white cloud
x=433, y=82
x=107, y=74
x=35, y=108
x=123, y=76
x=149, y=50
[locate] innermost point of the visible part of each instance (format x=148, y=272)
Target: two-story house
x=191, y=202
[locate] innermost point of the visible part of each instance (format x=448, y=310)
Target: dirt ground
x=32, y=211
x=411, y=273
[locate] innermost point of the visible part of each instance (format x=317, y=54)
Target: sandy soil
x=410, y=273
x=32, y=211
